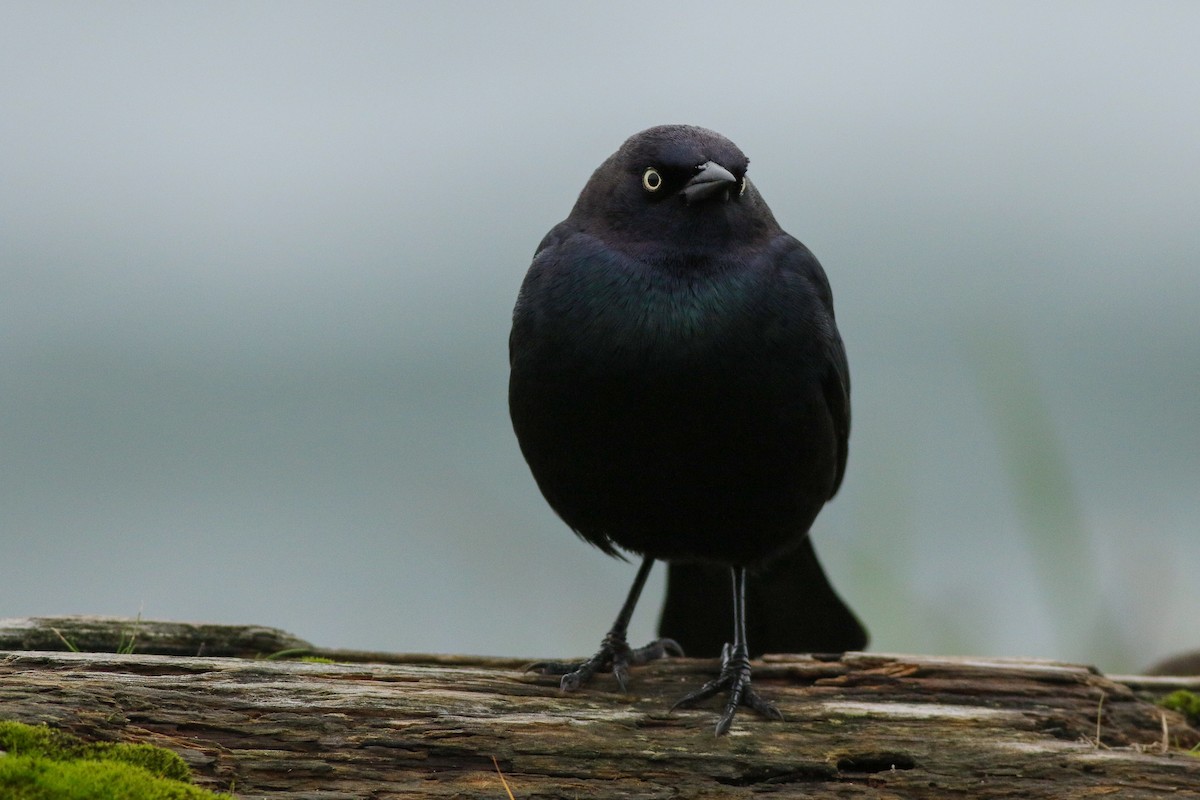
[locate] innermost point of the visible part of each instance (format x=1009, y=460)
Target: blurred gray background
x=258, y=262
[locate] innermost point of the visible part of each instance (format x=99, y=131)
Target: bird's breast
x=636, y=312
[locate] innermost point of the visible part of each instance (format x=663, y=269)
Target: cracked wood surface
x=860, y=726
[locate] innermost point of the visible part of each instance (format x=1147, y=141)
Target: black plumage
x=680, y=390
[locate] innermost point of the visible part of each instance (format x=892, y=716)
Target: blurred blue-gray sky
x=258, y=262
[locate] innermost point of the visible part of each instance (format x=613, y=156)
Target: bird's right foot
x=734, y=680
x=614, y=654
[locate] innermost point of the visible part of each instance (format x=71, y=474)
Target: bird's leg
x=614, y=653
x=734, y=678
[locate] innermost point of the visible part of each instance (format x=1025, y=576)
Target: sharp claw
x=659, y=648
x=703, y=693
x=622, y=675
x=551, y=667
x=760, y=704
x=683, y=701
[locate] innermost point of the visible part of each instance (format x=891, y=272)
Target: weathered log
x=860, y=726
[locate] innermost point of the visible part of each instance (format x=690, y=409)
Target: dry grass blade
x=502, y=780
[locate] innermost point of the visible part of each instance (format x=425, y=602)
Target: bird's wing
x=552, y=238
x=836, y=385
x=835, y=378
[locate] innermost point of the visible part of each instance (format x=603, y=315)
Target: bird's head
x=677, y=186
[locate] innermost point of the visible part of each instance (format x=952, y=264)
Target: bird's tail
x=790, y=608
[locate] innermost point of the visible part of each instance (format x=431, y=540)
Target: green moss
x=33, y=778
x=298, y=654
x=287, y=655
x=40, y=763
x=155, y=760
x=1185, y=702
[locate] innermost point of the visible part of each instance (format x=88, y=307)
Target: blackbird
x=680, y=391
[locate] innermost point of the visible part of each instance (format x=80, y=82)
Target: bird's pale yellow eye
x=742, y=187
x=651, y=180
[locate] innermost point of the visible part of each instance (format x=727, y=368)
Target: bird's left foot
x=614, y=654
x=734, y=680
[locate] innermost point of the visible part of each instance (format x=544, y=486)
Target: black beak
x=710, y=181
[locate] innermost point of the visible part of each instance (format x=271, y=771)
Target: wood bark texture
x=375, y=725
